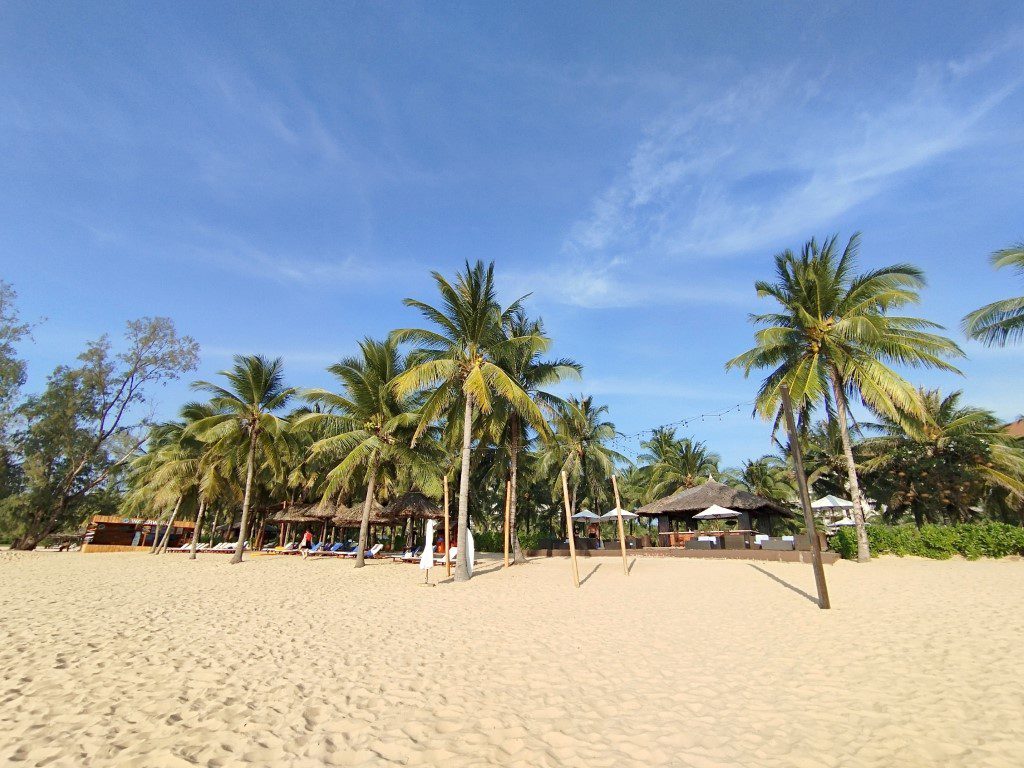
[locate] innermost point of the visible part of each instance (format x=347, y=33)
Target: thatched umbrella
x=417, y=505
x=685, y=504
x=414, y=506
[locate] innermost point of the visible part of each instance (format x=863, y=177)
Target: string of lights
x=622, y=438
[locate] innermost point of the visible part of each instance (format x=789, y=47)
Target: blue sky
x=277, y=179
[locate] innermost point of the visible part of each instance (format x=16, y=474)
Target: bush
x=494, y=541
x=938, y=542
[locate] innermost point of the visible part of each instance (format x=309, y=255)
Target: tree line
x=466, y=395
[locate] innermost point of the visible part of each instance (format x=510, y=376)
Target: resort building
x=106, y=533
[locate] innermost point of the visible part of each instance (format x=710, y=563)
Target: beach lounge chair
x=443, y=559
x=333, y=550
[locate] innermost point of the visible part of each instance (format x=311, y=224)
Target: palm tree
x=579, y=446
x=768, y=477
x=532, y=373
x=460, y=360
x=365, y=426
x=945, y=461
x=672, y=464
x=833, y=338
x=1001, y=321
x=244, y=416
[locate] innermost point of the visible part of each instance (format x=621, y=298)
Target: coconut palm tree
x=768, y=477
x=943, y=462
x=532, y=373
x=366, y=426
x=580, y=447
x=1001, y=321
x=459, y=361
x=672, y=464
x=244, y=418
x=833, y=338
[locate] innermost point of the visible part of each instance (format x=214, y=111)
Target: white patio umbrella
x=427, y=558
x=715, y=512
x=585, y=514
x=842, y=522
x=831, y=502
x=613, y=514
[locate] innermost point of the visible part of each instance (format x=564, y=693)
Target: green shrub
x=938, y=542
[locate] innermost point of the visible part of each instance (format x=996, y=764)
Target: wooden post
x=572, y=535
x=447, y=538
x=805, y=502
x=508, y=506
x=622, y=533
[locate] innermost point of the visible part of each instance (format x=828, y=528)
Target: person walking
x=305, y=544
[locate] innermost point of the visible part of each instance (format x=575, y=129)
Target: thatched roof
x=415, y=504
x=349, y=517
x=699, y=498
x=305, y=513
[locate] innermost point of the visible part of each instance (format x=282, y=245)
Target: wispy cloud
x=608, y=286
x=764, y=160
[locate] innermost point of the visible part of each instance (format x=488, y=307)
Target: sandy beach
x=133, y=660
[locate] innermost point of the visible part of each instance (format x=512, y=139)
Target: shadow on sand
x=786, y=584
x=586, y=578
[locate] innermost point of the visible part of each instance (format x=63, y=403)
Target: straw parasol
x=414, y=504
x=351, y=517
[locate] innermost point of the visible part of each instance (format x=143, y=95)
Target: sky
x=278, y=177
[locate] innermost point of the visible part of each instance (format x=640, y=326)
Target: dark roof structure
x=697, y=499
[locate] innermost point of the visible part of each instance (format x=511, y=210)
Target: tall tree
x=244, y=416
x=1001, y=321
x=366, y=425
x=533, y=374
x=768, y=477
x=460, y=360
x=833, y=338
x=580, y=446
x=673, y=464
x=939, y=467
x=89, y=422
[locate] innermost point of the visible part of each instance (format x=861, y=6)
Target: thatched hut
x=675, y=513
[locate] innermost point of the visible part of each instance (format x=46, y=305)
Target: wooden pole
x=622, y=533
x=572, y=535
x=447, y=537
x=805, y=502
x=508, y=507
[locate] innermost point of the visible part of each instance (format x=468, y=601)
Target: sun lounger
x=333, y=550
x=443, y=559
x=372, y=552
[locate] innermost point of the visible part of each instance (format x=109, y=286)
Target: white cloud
x=766, y=160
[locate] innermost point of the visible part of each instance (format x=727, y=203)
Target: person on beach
x=305, y=544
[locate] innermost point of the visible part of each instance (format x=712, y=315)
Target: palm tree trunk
x=199, y=528
x=462, y=567
x=167, y=531
x=243, y=524
x=213, y=528
x=863, y=550
x=364, y=524
x=513, y=472
x=156, y=529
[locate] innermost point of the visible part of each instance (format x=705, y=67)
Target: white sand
x=133, y=660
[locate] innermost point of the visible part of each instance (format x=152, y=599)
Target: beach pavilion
x=676, y=513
